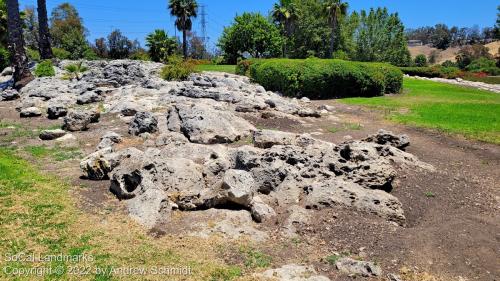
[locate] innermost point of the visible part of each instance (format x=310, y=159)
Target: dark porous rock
x=144, y=122
x=56, y=111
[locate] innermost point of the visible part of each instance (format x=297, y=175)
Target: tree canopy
x=250, y=33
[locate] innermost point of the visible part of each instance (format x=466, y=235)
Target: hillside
x=450, y=53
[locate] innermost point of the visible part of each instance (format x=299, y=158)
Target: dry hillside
x=450, y=53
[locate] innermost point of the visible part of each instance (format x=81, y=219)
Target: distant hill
x=448, y=54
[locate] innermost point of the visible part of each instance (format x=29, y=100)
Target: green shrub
x=75, y=71
x=45, y=69
x=89, y=54
x=484, y=65
x=140, y=55
x=4, y=58
x=449, y=63
x=33, y=54
x=433, y=72
x=420, y=61
x=177, y=71
x=323, y=79
x=61, y=53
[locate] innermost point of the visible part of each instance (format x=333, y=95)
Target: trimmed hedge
x=433, y=72
x=323, y=78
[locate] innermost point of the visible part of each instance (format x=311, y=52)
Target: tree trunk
x=184, y=43
x=44, y=42
x=332, y=38
x=22, y=74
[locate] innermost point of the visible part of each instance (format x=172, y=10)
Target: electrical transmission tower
x=203, y=23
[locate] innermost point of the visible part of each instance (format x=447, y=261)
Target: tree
x=119, y=45
x=497, y=25
x=3, y=23
x=441, y=38
x=101, y=48
x=285, y=15
x=22, y=74
x=250, y=34
x=380, y=37
x=30, y=25
x=335, y=11
x=44, y=35
x=160, y=45
x=67, y=30
x=420, y=61
x=184, y=10
x=467, y=54
x=196, y=47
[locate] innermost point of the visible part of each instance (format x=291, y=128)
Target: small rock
x=9, y=94
x=355, y=267
x=261, y=211
x=56, y=111
x=89, y=97
x=8, y=71
x=239, y=186
x=52, y=134
x=78, y=120
x=393, y=277
x=305, y=99
x=31, y=112
x=144, y=122
x=109, y=140
x=292, y=272
x=326, y=107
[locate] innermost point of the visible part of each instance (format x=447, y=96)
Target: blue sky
x=137, y=18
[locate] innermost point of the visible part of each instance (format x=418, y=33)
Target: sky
x=138, y=18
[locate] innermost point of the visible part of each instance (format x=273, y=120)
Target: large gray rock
x=260, y=210
x=52, y=134
x=336, y=192
x=202, y=123
x=354, y=267
x=143, y=122
x=292, y=272
x=98, y=165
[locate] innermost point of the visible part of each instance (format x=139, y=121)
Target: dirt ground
x=453, y=218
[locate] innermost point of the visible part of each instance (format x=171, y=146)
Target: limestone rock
x=9, y=94
x=202, y=123
x=78, y=121
x=239, y=187
x=56, y=111
x=355, y=267
x=52, y=134
x=292, y=272
x=386, y=137
x=30, y=112
x=144, y=122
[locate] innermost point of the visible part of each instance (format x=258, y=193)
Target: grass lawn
x=218, y=68
x=449, y=108
x=39, y=216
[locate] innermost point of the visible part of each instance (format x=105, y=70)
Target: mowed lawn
x=449, y=108
x=218, y=68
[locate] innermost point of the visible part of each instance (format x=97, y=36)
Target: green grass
x=218, y=68
x=449, y=108
x=345, y=127
x=255, y=258
x=56, y=153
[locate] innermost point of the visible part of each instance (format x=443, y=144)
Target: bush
x=449, y=63
x=60, y=53
x=420, y=61
x=89, y=54
x=177, y=71
x=433, y=72
x=484, y=65
x=4, y=58
x=45, y=69
x=33, y=55
x=140, y=55
x=323, y=79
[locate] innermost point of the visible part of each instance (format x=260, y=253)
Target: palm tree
x=43, y=30
x=335, y=10
x=22, y=74
x=160, y=45
x=184, y=10
x=285, y=14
